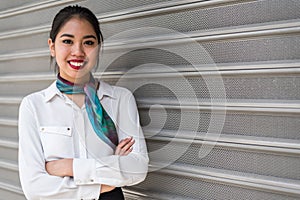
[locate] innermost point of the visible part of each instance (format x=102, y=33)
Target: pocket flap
x=62, y=130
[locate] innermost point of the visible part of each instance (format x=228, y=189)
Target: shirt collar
x=104, y=90
x=51, y=91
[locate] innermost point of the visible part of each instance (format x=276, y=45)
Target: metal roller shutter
x=222, y=119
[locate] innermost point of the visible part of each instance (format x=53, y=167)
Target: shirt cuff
x=84, y=171
x=89, y=192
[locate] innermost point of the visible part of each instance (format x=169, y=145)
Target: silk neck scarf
x=102, y=124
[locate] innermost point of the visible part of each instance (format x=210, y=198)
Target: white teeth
x=77, y=64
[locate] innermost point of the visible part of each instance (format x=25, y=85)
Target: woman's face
x=75, y=50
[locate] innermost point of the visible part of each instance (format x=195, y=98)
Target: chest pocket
x=57, y=142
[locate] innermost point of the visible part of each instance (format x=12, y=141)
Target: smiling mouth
x=76, y=64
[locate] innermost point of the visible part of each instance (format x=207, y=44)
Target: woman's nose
x=77, y=50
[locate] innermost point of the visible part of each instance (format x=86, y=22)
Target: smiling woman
x=80, y=138
x=75, y=50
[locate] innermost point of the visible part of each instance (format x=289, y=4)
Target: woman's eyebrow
x=67, y=35
x=89, y=36
x=72, y=36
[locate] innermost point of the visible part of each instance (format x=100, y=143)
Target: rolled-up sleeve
x=35, y=181
x=118, y=170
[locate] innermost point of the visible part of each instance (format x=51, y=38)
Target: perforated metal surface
x=200, y=189
x=227, y=51
x=22, y=88
x=38, y=18
x=11, y=195
x=236, y=123
x=252, y=167
x=9, y=132
x=18, y=44
x=203, y=18
x=116, y=6
x=26, y=65
x=8, y=153
x=259, y=86
x=246, y=161
x=13, y=4
x=256, y=49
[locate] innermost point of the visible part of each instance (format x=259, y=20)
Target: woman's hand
x=124, y=147
x=106, y=188
x=61, y=167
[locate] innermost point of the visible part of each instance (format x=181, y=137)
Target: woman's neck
x=77, y=80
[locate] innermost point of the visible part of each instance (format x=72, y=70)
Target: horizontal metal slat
x=27, y=77
x=245, y=31
x=8, y=149
x=138, y=193
x=147, y=102
x=8, y=164
x=155, y=75
x=11, y=187
x=32, y=54
x=8, y=122
x=243, y=158
x=33, y=7
x=9, y=171
x=8, y=143
x=149, y=42
x=230, y=139
x=10, y=100
x=289, y=149
x=159, y=9
x=45, y=53
x=237, y=108
x=8, y=131
x=249, y=31
x=230, y=33
x=228, y=105
x=104, y=18
x=246, y=142
x=289, y=187
x=25, y=32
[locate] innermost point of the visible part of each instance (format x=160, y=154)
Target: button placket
x=81, y=132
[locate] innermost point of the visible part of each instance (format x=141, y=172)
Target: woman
x=80, y=138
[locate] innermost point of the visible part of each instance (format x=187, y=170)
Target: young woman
x=80, y=138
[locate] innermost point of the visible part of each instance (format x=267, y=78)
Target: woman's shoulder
x=41, y=95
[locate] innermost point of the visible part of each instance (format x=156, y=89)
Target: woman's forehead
x=78, y=27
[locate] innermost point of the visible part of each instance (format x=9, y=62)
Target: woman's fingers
x=125, y=146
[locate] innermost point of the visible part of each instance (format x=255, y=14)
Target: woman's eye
x=90, y=43
x=67, y=41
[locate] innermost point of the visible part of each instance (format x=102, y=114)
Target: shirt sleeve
x=117, y=170
x=36, y=182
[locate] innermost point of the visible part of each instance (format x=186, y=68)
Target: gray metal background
x=255, y=45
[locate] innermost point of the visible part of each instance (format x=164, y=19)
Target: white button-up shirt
x=51, y=126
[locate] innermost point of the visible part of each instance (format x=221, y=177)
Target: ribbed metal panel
x=254, y=47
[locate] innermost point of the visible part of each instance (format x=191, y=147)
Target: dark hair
x=67, y=13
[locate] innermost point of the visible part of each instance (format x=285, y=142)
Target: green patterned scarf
x=100, y=120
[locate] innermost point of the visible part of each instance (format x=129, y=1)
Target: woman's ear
x=51, y=47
